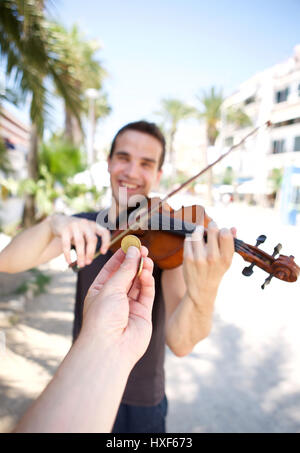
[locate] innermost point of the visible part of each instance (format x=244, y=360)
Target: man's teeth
x=129, y=186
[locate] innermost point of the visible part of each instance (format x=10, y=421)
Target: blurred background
x=207, y=73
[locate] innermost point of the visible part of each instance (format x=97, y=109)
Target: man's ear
x=108, y=164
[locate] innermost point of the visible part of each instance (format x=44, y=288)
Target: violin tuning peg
x=267, y=281
x=277, y=250
x=248, y=271
x=260, y=240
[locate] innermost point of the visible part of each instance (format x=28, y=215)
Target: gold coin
x=129, y=241
x=140, y=267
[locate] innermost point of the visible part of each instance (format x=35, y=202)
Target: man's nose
x=131, y=169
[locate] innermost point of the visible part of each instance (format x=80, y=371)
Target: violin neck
x=183, y=229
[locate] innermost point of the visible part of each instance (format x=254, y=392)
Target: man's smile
x=129, y=185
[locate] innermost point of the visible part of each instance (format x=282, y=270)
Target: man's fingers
x=212, y=241
x=66, y=245
x=198, y=243
x=233, y=231
x=226, y=245
x=79, y=244
x=104, y=233
x=91, y=244
x=187, y=248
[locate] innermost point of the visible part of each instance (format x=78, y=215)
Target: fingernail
x=132, y=252
x=213, y=224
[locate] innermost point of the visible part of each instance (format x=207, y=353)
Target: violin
x=164, y=231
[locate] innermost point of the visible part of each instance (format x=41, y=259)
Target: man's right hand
x=81, y=233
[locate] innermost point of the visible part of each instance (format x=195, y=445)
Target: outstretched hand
x=117, y=308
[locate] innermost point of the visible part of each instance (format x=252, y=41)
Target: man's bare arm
x=190, y=290
x=30, y=248
x=50, y=238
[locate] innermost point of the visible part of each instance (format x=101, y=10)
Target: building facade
x=272, y=95
x=16, y=138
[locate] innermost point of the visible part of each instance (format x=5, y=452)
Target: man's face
x=133, y=166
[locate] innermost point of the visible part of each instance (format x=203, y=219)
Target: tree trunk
x=209, y=181
x=73, y=132
x=29, y=213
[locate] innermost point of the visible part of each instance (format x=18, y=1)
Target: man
x=184, y=296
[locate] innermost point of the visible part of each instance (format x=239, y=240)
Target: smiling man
x=184, y=296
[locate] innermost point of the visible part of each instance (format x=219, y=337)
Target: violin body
x=166, y=232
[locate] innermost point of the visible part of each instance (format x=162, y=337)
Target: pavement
x=245, y=377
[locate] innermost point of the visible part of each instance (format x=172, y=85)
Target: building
x=16, y=137
x=272, y=95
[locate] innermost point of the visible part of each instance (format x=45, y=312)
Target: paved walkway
x=35, y=346
x=244, y=378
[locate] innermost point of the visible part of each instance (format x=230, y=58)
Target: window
x=297, y=144
x=250, y=100
x=278, y=146
x=282, y=95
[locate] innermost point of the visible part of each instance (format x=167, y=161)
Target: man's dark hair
x=145, y=128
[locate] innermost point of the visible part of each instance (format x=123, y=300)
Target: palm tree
x=88, y=72
x=172, y=112
x=238, y=117
x=33, y=56
x=210, y=112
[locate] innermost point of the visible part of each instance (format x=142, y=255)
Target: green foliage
x=211, y=102
x=5, y=166
x=174, y=110
x=61, y=159
x=80, y=198
x=87, y=70
x=32, y=53
x=238, y=117
x=275, y=178
x=228, y=176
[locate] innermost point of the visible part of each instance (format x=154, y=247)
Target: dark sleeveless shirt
x=146, y=382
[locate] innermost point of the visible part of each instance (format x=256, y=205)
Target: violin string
x=241, y=246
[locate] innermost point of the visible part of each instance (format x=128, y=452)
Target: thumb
x=126, y=273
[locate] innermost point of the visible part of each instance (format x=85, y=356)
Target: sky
x=178, y=48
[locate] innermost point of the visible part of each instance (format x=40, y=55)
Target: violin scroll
x=284, y=267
